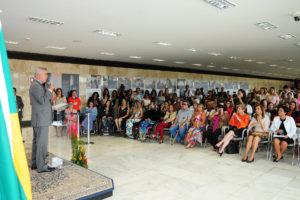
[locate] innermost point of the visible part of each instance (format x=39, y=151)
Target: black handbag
x=232, y=148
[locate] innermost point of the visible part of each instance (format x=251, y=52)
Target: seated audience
x=284, y=129
x=258, y=130
x=181, y=122
x=166, y=123
x=123, y=113
x=136, y=116
x=195, y=133
x=107, y=114
x=93, y=111
x=238, y=122
x=217, y=121
x=151, y=116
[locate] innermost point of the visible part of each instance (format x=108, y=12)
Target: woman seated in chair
x=107, y=114
x=93, y=115
x=123, y=113
x=166, y=123
x=195, y=133
x=258, y=130
x=238, y=122
x=151, y=116
x=284, y=129
x=217, y=120
x=136, y=116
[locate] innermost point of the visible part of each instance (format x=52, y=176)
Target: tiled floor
x=160, y=172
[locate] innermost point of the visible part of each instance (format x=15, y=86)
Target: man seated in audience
x=137, y=96
x=181, y=122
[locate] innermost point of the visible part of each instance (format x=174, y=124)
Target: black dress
x=287, y=140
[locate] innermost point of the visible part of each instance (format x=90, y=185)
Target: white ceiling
x=184, y=23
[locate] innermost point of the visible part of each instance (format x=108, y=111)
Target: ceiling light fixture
x=197, y=64
x=190, y=49
x=287, y=36
x=214, y=53
x=1, y=11
x=298, y=44
x=225, y=68
x=222, y=4
x=273, y=65
x=163, y=43
x=27, y=38
x=179, y=62
x=108, y=33
x=234, y=57
x=260, y=62
x=54, y=47
x=158, y=60
x=11, y=42
x=266, y=25
x=249, y=60
x=107, y=53
x=45, y=21
x=135, y=57
x=211, y=66
x=235, y=69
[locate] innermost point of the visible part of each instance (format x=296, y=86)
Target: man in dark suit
x=41, y=119
x=20, y=106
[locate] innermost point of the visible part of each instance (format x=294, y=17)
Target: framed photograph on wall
x=125, y=81
x=138, y=82
x=150, y=84
x=171, y=84
x=161, y=83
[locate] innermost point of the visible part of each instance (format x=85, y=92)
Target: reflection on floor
x=160, y=171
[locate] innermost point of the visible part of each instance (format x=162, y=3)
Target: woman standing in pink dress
x=71, y=120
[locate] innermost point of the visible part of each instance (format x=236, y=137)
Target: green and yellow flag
x=14, y=174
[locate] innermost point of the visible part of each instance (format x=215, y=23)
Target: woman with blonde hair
x=238, y=122
x=258, y=129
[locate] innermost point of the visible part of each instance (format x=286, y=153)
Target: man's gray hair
x=39, y=71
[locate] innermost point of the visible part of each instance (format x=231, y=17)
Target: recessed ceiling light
x=234, y=57
x=179, y=62
x=290, y=60
x=222, y=4
x=298, y=44
x=287, y=36
x=260, y=62
x=45, y=21
x=211, y=66
x=0, y=11
x=135, y=57
x=163, y=43
x=197, y=64
x=11, y=42
x=249, y=60
x=214, y=53
x=107, y=53
x=158, y=60
x=266, y=25
x=191, y=49
x=235, y=69
x=27, y=38
x=273, y=65
x=54, y=47
x=290, y=68
x=108, y=33
x=225, y=68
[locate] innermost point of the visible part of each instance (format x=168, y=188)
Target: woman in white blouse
x=258, y=129
x=284, y=128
